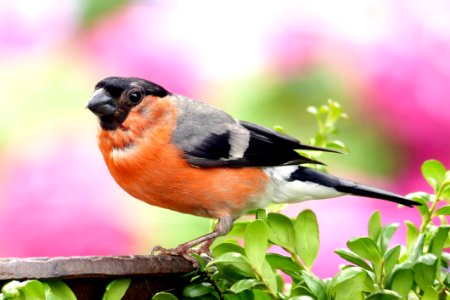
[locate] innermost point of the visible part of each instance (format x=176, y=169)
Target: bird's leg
x=222, y=228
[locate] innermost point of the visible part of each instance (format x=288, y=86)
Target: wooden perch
x=88, y=276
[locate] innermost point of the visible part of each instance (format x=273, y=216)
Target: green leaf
x=412, y=232
x=335, y=111
x=375, y=226
x=430, y=294
x=425, y=270
x=312, y=110
x=445, y=195
x=261, y=214
x=234, y=265
x=316, y=285
x=384, y=295
x=238, y=229
x=222, y=282
x=256, y=242
x=386, y=235
x=269, y=278
x=57, y=290
x=319, y=139
x=421, y=197
x=244, y=284
x=438, y=240
x=280, y=282
x=434, y=173
x=32, y=289
x=116, y=289
x=226, y=247
x=417, y=249
x=283, y=263
x=164, y=296
x=336, y=144
x=391, y=258
x=443, y=211
x=424, y=199
x=201, y=261
x=261, y=295
x=244, y=295
x=303, y=297
x=351, y=283
x=273, y=207
x=307, y=237
x=366, y=248
x=279, y=128
x=306, y=153
x=300, y=291
x=11, y=290
x=281, y=230
x=323, y=109
x=402, y=281
x=198, y=289
x=353, y=258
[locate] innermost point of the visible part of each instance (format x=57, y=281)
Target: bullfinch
x=181, y=154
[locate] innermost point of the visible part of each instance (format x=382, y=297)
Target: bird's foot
x=203, y=249
x=183, y=251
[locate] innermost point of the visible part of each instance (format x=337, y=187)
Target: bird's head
x=115, y=97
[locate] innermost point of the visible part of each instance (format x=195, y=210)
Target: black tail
x=347, y=186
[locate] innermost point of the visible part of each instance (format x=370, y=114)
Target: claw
x=178, y=251
x=222, y=228
x=204, y=248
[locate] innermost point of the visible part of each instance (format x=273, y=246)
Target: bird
x=188, y=156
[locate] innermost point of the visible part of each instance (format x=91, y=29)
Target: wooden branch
x=88, y=275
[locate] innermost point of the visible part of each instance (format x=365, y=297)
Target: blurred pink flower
x=408, y=89
x=26, y=25
x=60, y=204
x=133, y=42
x=294, y=49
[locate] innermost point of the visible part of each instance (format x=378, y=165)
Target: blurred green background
x=386, y=63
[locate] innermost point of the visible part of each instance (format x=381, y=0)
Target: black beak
x=101, y=103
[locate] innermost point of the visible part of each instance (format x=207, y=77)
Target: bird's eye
x=135, y=97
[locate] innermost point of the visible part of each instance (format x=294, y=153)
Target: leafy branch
x=327, y=117
x=417, y=270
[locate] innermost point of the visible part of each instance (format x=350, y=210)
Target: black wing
x=259, y=146
x=268, y=147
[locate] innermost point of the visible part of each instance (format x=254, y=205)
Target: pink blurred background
x=386, y=63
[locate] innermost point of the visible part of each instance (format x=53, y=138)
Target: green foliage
x=327, y=117
x=56, y=289
x=307, y=237
x=164, y=296
x=35, y=289
x=417, y=270
x=116, y=289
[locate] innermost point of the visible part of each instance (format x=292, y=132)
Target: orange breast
x=144, y=163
